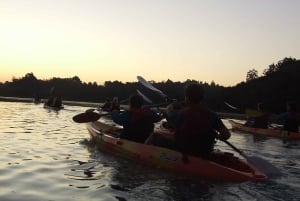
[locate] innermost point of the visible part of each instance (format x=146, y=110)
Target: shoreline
x=93, y=104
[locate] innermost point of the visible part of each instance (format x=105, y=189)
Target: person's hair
x=194, y=93
x=292, y=105
x=136, y=101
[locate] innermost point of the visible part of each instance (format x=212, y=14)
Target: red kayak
x=270, y=132
x=223, y=166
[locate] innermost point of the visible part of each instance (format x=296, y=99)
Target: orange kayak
x=265, y=132
x=224, y=166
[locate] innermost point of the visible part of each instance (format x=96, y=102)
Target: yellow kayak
x=270, y=132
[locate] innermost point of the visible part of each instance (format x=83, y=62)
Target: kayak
x=270, y=132
x=223, y=166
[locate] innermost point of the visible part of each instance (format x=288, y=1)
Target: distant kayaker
x=111, y=105
x=138, y=121
x=197, y=127
x=107, y=105
x=290, y=119
x=57, y=101
x=115, y=104
x=259, y=118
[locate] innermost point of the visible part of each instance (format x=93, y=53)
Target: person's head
x=115, y=99
x=136, y=101
x=291, y=106
x=261, y=107
x=193, y=93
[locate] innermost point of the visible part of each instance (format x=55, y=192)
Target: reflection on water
x=47, y=156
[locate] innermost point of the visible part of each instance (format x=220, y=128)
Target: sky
x=108, y=40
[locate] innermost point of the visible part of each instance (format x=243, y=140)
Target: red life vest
x=195, y=134
x=140, y=127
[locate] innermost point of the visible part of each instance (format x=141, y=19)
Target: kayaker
x=197, y=127
x=259, y=118
x=138, y=121
x=115, y=104
x=111, y=105
x=290, y=119
x=170, y=113
x=107, y=105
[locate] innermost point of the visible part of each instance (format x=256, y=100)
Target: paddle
x=151, y=87
x=144, y=97
x=88, y=116
x=261, y=164
x=232, y=107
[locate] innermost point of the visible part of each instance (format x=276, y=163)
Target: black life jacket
x=140, y=127
x=261, y=121
x=195, y=134
x=292, y=123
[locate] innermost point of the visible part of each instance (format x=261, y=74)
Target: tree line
x=277, y=84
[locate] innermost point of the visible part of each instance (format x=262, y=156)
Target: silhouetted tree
x=251, y=75
x=279, y=83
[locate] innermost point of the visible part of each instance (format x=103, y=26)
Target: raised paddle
x=144, y=97
x=261, y=164
x=151, y=87
x=231, y=106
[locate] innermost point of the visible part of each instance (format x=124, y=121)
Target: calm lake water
x=45, y=156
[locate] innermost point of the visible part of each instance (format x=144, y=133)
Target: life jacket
x=292, y=123
x=195, y=134
x=261, y=121
x=140, y=126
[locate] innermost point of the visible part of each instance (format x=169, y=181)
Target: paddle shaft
x=235, y=148
x=232, y=107
x=144, y=97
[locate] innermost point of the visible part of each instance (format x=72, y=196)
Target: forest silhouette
x=277, y=84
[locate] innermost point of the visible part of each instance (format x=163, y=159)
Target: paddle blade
x=86, y=117
x=264, y=166
x=151, y=87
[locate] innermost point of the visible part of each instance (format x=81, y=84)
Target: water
x=45, y=156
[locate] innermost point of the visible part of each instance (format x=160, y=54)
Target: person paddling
x=197, y=127
x=260, y=119
x=138, y=121
x=290, y=119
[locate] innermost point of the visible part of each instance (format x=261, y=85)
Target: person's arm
x=121, y=118
x=280, y=118
x=223, y=131
x=155, y=117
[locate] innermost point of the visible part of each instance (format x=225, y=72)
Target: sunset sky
x=102, y=40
